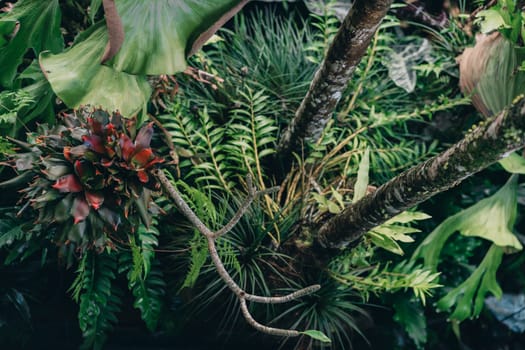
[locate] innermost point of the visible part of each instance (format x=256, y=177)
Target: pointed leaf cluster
x=91, y=176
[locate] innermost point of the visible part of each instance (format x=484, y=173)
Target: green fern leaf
x=99, y=300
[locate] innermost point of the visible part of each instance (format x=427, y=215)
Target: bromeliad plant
x=91, y=177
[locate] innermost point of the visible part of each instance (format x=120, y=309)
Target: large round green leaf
x=39, y=29
x=160, y=33
x=78, y=78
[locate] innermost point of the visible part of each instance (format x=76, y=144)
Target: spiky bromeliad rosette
x=91, y=182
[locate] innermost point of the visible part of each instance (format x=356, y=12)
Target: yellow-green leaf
x=362, y=177
x=513, y=163
x=318, y=335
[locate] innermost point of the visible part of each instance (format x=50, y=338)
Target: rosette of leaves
x=91, y=178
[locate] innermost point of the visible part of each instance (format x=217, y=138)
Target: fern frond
x=252, y=132
x=198, y=257
x=100, y=299
x=11, y=229
x=148, y=290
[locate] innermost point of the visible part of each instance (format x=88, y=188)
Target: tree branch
x=486, y=144
x=343, y=56
x=219, y=266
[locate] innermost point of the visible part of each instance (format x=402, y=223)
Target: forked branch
x=211, y=236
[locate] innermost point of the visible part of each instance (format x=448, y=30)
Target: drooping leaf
x=78, y=78
x=385, y=241
x=159, y=33
x=100, y=299
x=39, y=30
x=489, y=73
x=408, y=216
x=317, y=335
x=391, y=232
x=362, y=177
x=513, y=163
x=469, y=296
x=491, y=218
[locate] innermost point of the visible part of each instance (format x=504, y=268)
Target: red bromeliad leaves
x=110, y=217
x=143, y=138
x=68, y=183
x=126, y=146
x=95, y=125
x=95, y=199
x=80, y=209
x=143, y=176
x=143, y=157
x=85, y=170
x=94, y=142
x=72, y=153
x=154, y=161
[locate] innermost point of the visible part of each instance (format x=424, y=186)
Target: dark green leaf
x=39, y=30
x=78, y=78
x=411, y=316
x=159, y=33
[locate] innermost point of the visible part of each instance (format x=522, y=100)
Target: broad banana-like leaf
x=78, y=78
x=491, y=218
x=7, y=29
x=38, y=25
x=160, y=34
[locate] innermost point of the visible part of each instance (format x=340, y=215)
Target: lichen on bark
x=484, y=145
x=343, y=56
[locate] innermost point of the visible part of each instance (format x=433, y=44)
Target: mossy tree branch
x=484, y=145
x=343, y=56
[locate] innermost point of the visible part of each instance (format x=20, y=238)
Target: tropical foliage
x=96, y=96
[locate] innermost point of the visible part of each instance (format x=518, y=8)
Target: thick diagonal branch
x=485, y=145
x=342, y=58
x=211, y=236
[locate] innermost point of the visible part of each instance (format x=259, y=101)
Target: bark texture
x=486, y=144
x=329, y=82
